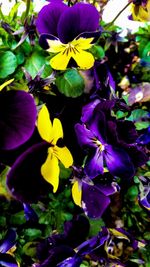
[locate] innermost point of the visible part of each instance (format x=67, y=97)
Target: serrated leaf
x=8, y=64
x=70, y=83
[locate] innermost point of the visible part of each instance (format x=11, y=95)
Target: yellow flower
x=141, y=12
x=75, y=50
x=51, y=133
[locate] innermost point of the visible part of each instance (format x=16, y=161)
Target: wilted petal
x=77, y=19
x=24, y=179
x=94, y=202
x=8, y=242
x=48, y=18
x=94, y=163
x=118, y=162
x=17, y=118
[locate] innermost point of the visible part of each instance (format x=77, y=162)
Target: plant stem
x=120, y=12
x=27, y=8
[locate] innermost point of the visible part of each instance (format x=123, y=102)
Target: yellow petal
x=118, y=234
x=64, y=155
x=44, y=124
x=85, y=60
x=5, y=84
x=55, y=46
x=57, y=130
x=50, y=170
x=82, y=43
x=60, y=61
x=76, y=193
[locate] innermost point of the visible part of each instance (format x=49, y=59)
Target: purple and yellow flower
x=144, y=195
x=17, y=117
x=108, y=141
x=141, y=10
x=68, y=32
x=6, y=247
x=26, y=182
x=92, y=195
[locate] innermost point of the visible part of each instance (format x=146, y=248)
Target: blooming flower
x=68, y=31
x=17, y=117
x=51, y=133
x=92, y=195
x=6, y=259
x=45, y=155
x=141, y=10
x=104, y=138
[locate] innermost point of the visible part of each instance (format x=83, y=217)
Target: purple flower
x=68, y=31
x=17, y=118
x=92, y=195
x=108, y=141
x=9, y=242
x=144, y=195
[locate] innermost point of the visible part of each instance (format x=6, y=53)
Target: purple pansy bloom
x=6, y=259
x=110, y=246
x=144, y=195
x=68, y=31
x=108, y=141
x=92, y=195
x=17, y=118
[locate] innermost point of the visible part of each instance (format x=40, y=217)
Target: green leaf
x=35, y=62
x=32, y=233
x=30, y=249
x=139, y=117
x=70, y=83
x=95, y=226
x=97, y=51
x=132, y=192
x=8, y=64
x=17, y=218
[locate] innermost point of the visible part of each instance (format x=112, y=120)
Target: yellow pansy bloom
x=75, y=50
x=51, y=133
x=141, y=12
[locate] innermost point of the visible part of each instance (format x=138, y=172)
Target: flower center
x=99, y=144
x=70, y=48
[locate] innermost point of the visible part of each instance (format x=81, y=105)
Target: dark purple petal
x=77, y=19
x=118, y=162
x=49, y=16
x=144, y=139
x=84, y=136
x=71, y=262
x=88, y=109
x=57, y=255
x=24, y=179
x=94, y=163
x=43, y=40
x=137, y=155
x=108, y=190
x=94, y=35
x=30, y=214
x=97, y=125
x=126, y=132
x=7, y=260
x=17, y=118
x=76, y=230
x=94, y=202
x=8, y=242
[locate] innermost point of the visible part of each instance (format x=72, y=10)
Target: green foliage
x=8, y=63
x=70, y=83
x=139, y=117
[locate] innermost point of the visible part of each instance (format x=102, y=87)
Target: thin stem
x=110, y=23
x=27, y=8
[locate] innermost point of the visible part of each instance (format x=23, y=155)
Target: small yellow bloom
x=77, y=193
x=141, y=12
x=51, y=133
x=75, y=50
